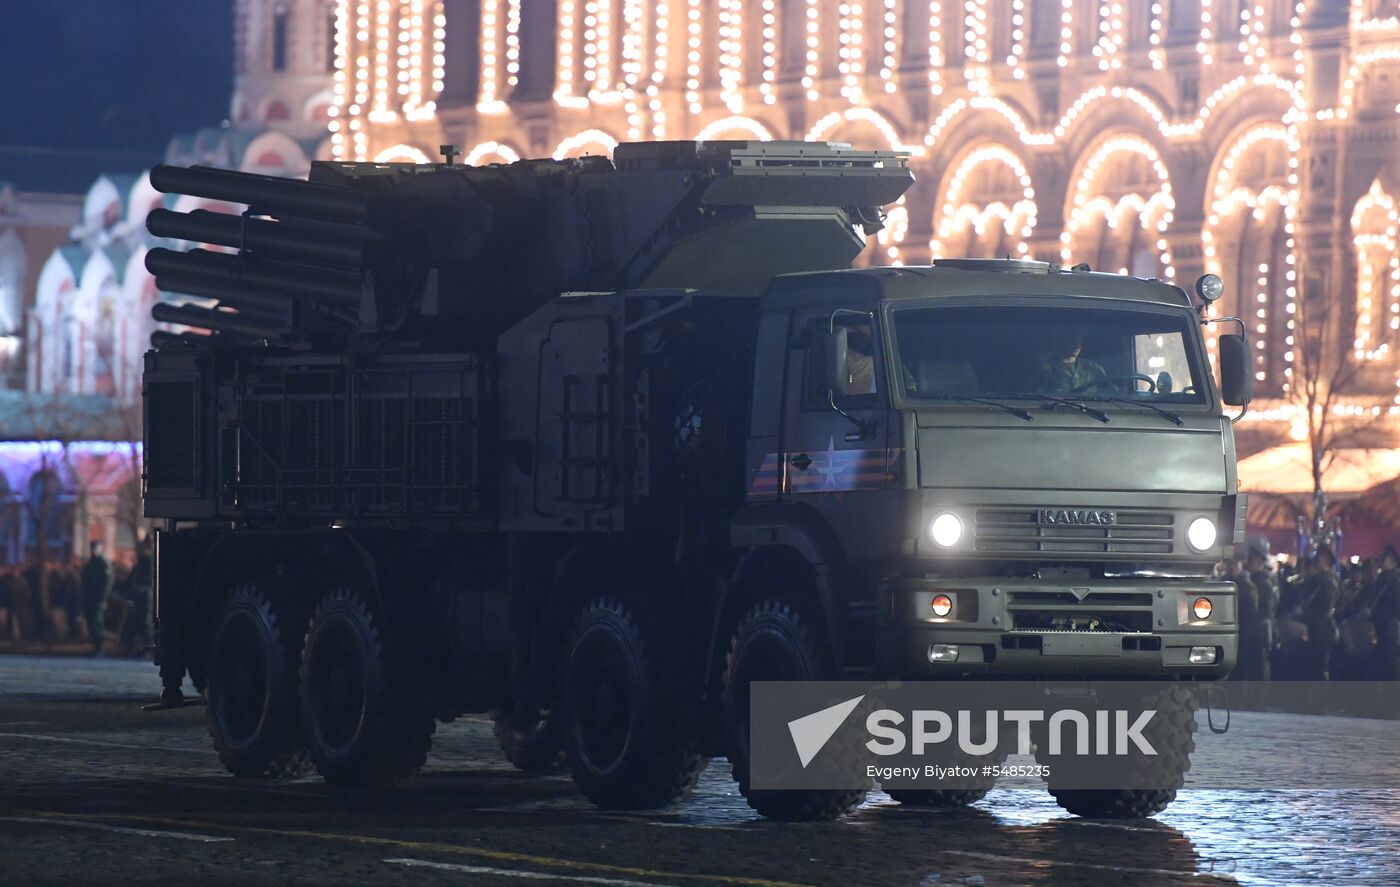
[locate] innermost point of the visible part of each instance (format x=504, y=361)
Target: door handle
x=802, y=461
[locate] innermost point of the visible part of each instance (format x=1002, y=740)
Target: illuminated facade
x=71, y=436
x=1256, y=139
x=90, y=322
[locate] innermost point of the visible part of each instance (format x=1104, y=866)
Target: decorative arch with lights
x=389, y=58
x=579, y=144
x=987, y=208
x=1375, y=227
x=490, y=152
x=402, y=154
x=836, y=120
x=734, y=127
x=1119, y=209
x=1248, y=239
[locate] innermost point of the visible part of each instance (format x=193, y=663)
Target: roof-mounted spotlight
x=1210, y=287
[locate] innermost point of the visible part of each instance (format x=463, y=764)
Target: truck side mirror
x=831, y=352
x=1236, y=381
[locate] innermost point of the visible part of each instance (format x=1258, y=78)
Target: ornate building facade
x=70, y=460
x=90, y=321
x=1257, y=139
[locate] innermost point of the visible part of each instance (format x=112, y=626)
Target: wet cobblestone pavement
x=92, y=791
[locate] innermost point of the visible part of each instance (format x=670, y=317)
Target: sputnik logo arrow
x=811, y=733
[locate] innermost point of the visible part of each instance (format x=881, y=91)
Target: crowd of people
x=91, y=601
x=1314, y=621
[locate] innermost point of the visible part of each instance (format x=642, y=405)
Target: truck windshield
x=1105, y=354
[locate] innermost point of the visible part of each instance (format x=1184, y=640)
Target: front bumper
x=1032, y=627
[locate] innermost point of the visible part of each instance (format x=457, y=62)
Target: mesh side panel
x=172, y=436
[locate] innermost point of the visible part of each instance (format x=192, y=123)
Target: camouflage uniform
x=1266, y=603
x=1057, y=376
x=1253, y=659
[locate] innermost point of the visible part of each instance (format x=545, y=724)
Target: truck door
x=575, y=423
x=838, y=463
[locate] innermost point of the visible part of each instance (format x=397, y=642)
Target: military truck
x=592, y=445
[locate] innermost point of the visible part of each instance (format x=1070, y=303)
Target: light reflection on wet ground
x=65, y=746
x=1252, y=836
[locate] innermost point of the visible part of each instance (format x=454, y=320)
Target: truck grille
x=1019, y=530
x=1118, y=611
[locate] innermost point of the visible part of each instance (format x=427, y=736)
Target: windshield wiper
x=1074, y=404
x=1015, y=411
x=1165, y=414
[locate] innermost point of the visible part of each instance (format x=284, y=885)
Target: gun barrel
x=264, y=193
x=333, y=244
x=258, y=275
x=230, y=295
x=219, y=321
x=162, y=338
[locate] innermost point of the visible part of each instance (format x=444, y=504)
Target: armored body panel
x=353, y=374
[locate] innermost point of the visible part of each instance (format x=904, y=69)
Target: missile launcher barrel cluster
x=435, y=254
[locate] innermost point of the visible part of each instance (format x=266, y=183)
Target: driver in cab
x=1065, y=370
x=860, y=361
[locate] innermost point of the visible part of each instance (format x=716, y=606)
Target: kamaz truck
x=593, y=444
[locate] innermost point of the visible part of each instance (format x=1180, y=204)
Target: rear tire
x=624, y=722
x=772, y=643
x=532, y=746
x=1174, y=738
x=251, y=688
x=364, y=722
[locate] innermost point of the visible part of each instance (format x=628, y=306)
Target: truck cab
x=998, y=468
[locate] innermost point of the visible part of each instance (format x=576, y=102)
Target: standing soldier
x=1266, y=595
x=1317, y=610
x=1290, y=631
x=1385, y=613
x=140, y=583
x=95, y=589
x=15, y=590
x=1251, y=655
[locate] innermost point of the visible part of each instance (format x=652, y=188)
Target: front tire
x=948, y=798
x=251, y=688
x=364, y=723
x=772, y=643
x=626, y=732
x=1175, y=740
x=942, y=799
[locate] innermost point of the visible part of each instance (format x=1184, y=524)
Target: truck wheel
x=772, y=643
x=956, y=797
x=364, y=723
x=1174, y=738
x=625, y=725
x=939, y=798
x=251, y=689
x=532, y=746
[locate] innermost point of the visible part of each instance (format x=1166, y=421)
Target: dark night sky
x=93, y=86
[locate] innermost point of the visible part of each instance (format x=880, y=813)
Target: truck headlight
x=1202, y=608
x=1200, y=534
x=946, y=530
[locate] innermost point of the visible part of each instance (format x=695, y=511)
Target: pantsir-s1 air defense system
x=592, y=444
